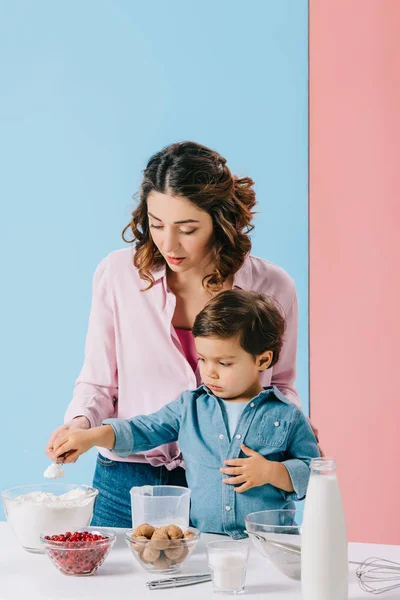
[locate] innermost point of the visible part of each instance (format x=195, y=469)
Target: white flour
x=54, y=471
x=39, y=512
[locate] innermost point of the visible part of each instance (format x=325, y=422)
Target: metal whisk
x=377, y=575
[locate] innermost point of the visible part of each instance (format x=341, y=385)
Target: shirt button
x=252, y=404
x=221, y=436
x=238, y=436
x=227, y=507
x=276, y=423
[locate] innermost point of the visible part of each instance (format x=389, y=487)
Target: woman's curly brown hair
x=201, y=176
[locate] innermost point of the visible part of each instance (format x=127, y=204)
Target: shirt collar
x=243, y=279
x=159, y=273
x=267, y=390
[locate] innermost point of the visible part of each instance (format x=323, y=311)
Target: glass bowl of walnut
x=162, y=549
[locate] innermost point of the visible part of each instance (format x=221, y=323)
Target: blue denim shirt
x=269, y=424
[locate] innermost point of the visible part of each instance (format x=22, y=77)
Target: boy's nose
x=213, y=374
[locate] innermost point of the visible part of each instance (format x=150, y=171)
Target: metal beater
x=375, y=575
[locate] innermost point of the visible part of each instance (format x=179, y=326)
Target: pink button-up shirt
x=134, y=363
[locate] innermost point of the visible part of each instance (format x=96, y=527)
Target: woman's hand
x=315, y=432
x=74, y=425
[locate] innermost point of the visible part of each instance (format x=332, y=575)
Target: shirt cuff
x=123, y=436
x=299, y=474
x=80, y=413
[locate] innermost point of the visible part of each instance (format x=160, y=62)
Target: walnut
x=160, y=538
x=188, y=534
x=162, y=562
x=183, y=556
x=174, y=532
x=150, y=553
x=144, y=529
x=139, y=547
x=175, y=552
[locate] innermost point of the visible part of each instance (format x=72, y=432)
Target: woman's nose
x=171, y=241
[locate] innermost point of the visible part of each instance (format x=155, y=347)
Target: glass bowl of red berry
x=79, y=552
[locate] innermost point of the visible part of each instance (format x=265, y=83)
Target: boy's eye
x=225, y=364
x=201, y=359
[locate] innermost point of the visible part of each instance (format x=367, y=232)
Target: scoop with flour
x=54, y=471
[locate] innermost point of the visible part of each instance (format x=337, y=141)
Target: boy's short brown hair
x=255, y=318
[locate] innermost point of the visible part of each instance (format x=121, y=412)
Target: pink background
x=355, y=254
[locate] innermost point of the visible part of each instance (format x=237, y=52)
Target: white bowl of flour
x=57, y=507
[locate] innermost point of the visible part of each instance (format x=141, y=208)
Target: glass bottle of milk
x=324, y=562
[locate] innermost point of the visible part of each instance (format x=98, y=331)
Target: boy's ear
x=264, y=360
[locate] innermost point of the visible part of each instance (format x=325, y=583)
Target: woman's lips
x=175, y=261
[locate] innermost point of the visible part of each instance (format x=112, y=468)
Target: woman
x=191, y=236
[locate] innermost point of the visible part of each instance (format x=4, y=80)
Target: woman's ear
x=264, y=360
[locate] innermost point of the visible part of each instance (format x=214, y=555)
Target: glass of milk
x=227, y=561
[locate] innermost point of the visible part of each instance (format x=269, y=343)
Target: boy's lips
x=214, y=387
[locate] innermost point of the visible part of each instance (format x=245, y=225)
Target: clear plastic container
x=160, y=505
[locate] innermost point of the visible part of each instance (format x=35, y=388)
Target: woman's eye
x=180, y=231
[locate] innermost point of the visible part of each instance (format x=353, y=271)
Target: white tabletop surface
x=33, y=576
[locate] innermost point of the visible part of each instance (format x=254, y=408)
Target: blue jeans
x=114, y=479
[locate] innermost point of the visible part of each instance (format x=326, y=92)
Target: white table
x=33, y=576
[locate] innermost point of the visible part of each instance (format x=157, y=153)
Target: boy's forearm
x=102, y=436
x=279, y=477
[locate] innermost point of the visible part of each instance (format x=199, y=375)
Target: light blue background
x=89, y=91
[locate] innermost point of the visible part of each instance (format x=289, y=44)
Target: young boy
x=230, y=425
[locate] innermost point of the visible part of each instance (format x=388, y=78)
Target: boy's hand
x=250, y=472
x=76, y=423
x=69, y=445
